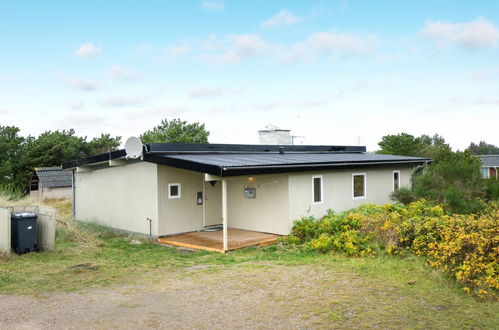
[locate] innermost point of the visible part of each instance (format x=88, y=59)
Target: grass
x=364, y=292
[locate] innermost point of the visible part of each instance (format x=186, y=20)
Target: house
x=490, y=163
x=170, y=189
x=50, y=182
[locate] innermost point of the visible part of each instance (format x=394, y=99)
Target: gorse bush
x=465, y=246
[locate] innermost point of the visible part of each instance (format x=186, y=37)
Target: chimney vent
x=281, y=150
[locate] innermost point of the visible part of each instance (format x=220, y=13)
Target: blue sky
x=335, y=72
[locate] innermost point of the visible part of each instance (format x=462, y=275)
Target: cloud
x=211, y=92
x=471, y=36
x=282, y=18
x=3, y=111
x=363, y=85
x=125, y=74
x=336, y=95
x=174, y=52
x=76, y=105
x=84, y=84
x=338, y=45
x=213, y=5
x=9, y=76
x=158, y=112
x=143, y=49
x=123, y=101
x=79, y=121
x=234, y=48
x=484, y=74
x=88, y=50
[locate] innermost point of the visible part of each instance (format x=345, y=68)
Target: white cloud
x=125, y=74
x=143, y=49
x=84, y=84
x=363, y=85
x=338, y=45
x=3, y=111
x=174, y=52
x=78, y=105
x=471, y=36
x=123, y=101
x=336, y=95
x=213, y=5
x=88, y=50
x=282, y=18
x=484, y=74
x=211, y=92
x=234, y=48
x=157, y=112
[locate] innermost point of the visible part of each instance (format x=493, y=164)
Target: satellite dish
x=133, y=148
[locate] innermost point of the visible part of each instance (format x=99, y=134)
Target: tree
x=404, y=144
x=176, y=131
x=483, y=148
x=102, y=144
x=452, y=179
x=10, y=146
x=401, y=144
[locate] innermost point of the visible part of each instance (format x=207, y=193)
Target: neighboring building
x=50, y=182
x=490, y=163
x=275, y=136
x=178, y=188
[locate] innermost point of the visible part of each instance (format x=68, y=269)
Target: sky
x=333, y=72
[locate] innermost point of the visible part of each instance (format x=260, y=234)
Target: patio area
x=213, y=241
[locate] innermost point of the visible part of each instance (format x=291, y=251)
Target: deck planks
x=213, y=241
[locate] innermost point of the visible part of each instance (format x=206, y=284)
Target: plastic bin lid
x=23, y=215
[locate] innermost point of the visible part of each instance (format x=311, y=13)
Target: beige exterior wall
x=120, y=197
x=182, y=214
x=268, y=212
x=338, y=190
x=51, y=193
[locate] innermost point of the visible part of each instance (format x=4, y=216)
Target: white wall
x=268, y=212
x=121, y=197
x=337, y=190
x=180, y=214
x=51, y=193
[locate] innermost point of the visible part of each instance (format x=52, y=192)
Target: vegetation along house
x=490, y=163
x=50, y=182
x=166, y=189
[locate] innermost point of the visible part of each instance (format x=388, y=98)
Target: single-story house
x=50, y=182
x=180, y=188
x=490, y=163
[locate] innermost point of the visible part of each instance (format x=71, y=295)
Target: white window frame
x=322, y=190
x=393, y=179
x=353, y=185
x=169, y=191
x=487, y=175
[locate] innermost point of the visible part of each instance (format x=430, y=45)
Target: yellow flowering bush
x=465, y=246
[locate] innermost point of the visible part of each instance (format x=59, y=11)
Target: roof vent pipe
x=281, y=150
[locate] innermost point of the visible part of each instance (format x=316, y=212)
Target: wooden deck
x=213, y=241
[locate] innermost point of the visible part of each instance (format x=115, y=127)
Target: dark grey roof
x=54, y=177
x=490, y=160
x=240, y=164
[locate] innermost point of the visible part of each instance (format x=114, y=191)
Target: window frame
x=365, y=185
x=393, y=180
x=485, y=170
x=321, y=177
x=170, y=191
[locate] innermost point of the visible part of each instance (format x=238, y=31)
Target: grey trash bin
x=23, y=232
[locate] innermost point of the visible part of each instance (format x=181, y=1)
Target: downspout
x=73, y=186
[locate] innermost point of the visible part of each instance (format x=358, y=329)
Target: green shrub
x=403, y=195
x=492, y=189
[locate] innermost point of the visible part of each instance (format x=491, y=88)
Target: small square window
x=359, y=185
x=317, y=189
x=173, y=190
x=396, y=180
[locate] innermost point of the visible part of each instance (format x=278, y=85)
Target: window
x=485, y=172
x=173, y=190
x=396, y=180
x=359, y=185
x=317, y=189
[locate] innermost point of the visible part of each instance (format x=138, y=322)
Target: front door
x=213, y=203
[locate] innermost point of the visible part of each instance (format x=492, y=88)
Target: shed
x=50, y=182
x=490, y=164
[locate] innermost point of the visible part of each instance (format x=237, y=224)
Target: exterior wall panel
x=120, y=197
x=182, y=214
x=268, y=212
x=337, y=190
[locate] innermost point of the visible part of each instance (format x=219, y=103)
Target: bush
x=403, y=195
x=465, y=246
x=492, y=189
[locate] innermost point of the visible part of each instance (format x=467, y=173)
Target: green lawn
x=377, y=292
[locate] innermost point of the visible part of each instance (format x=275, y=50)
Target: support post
x=73, y=195
x=224, y=214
